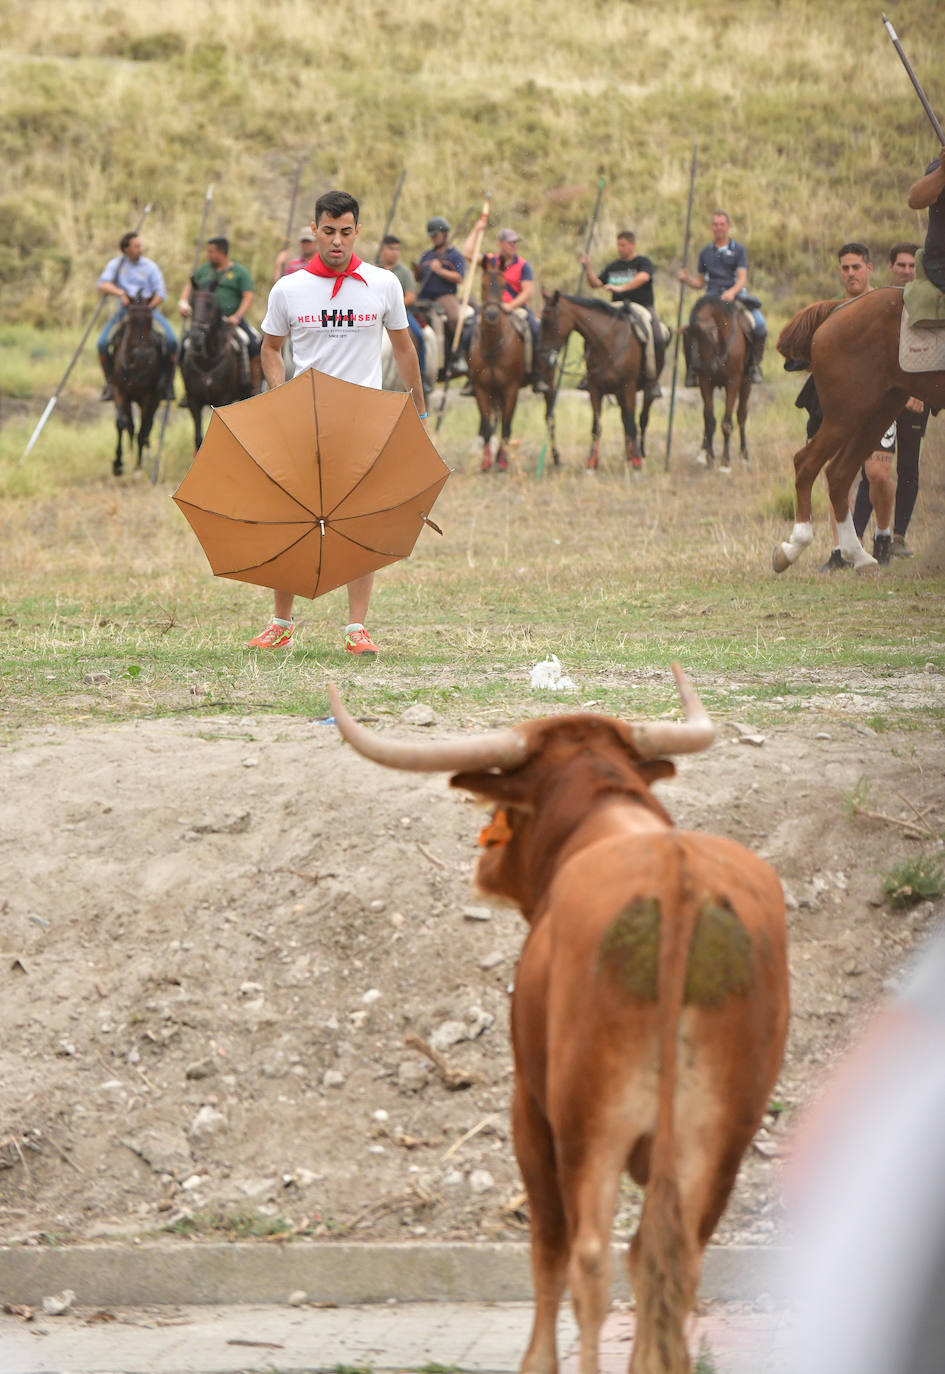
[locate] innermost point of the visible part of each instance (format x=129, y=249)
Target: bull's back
x=598, y=960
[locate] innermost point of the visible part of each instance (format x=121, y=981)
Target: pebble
x=333, y=1079
x=371, y=995
x=59, y=1303
x=207, y=1122
x=448, y=1033
x=480, y=1181
x=419, y=714
x=297, y=1298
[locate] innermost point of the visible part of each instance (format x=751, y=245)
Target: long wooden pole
x=915, y=81
x=463, y=303
x=679, y=311
x=207, y=200
x=51, y=403
x=391, y=213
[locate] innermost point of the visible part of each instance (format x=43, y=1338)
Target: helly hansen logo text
x=329, y=319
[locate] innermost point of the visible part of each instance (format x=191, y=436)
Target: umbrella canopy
x=311, y=485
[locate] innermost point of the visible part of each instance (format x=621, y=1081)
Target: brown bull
x=649, y=1013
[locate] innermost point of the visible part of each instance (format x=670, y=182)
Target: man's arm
x=638, y=280
x=270, y=356
x=476, y=232
x=246, y=301
x=694, y=279
x=408, y=365
x=183, y=303
x=927, y=189
x=592, y=278
x=741, y=276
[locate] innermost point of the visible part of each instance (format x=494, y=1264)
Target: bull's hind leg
x=535, y=1152
x=589, y=1187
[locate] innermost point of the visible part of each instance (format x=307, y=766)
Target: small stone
x=59, y=1303
x=477, y=913
x=493, y=960
x=371, y=995
x=297, y=1298
x=333, y=1079
x=201, y=1068
x=448, y=1033
x=380, y=1115
x=480, y=1181
x=412, y=1075
x=419, y=714
x=821, y=734
x=208, y=1122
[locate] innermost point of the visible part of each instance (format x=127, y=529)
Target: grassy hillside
x=809, y=132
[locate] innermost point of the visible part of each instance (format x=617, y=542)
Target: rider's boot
x=754, y=360
x=457, y=366
x=652, y=389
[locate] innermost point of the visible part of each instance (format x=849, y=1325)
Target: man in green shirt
x=234, y=292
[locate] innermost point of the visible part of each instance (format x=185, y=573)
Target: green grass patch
x=920, y=879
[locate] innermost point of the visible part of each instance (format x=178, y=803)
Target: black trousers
x=910, y=431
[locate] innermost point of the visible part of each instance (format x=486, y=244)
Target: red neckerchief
x=318, y=268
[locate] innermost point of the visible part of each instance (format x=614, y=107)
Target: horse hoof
x=592, y=463
x=701, y=460
x=118, y=467
x=485, y=465
x=636, y=462
x=726, y=468
x=869, y=565
x=779, y=559
x=502, y=463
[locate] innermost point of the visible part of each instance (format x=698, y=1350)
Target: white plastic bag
x=547, y=676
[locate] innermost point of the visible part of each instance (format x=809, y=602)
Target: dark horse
x=717, y=351
x=853, y=351
x=496, y=369
x=210, y=364
x=615, y=365
x=140, y=373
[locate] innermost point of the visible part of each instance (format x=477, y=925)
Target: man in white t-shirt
x=335, y=311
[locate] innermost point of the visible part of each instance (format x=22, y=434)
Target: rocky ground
x=247, y=986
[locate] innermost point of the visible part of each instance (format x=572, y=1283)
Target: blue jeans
x=418, y=339
x=111, y=325
x=761, y=324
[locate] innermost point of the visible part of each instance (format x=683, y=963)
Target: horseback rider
x=438, y=273
x=519, y=282
x=629, y=278
x=389, y=257
x=722, y=270
x=129, y=275
x=929, y=193
x=234, y=290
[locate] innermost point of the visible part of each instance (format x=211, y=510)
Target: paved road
x=388, y=1337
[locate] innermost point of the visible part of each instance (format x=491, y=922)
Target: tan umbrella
x=311, y=485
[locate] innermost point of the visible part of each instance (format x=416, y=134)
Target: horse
x=140, y=372
x=615, y=366
x=853, y=352
x=717, y=351
x=210, y=366
x=496, y=369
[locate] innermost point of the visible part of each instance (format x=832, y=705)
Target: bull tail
x=795, y=338
x=664, y=1270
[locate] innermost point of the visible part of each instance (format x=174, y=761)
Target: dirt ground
x=217, y=936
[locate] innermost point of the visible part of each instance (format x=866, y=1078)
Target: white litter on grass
x=547, y=676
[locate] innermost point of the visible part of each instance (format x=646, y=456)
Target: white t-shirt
x=340, y=335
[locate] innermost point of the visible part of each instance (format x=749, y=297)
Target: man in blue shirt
x=722, y=270
x=127, y=276
x=438, y=273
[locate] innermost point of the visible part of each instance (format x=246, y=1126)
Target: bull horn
x=497, y=749
x=656, y=739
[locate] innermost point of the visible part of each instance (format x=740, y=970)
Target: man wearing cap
x=307, y=251
x=127, y=276
x=438, y=274
x=518, y=275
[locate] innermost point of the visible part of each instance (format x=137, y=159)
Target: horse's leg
x=550, y=426
x=705, y=456
x=146, y=424
x=627, y=398
x=743, y=395
x=509, y=402
x=644, y=420
x=124, y=423
x=731, y=394
x=196, y=411
x=484, y=402
x=593, y=458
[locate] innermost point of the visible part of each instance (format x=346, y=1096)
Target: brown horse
x=615, y=365
x=210, y=364
x=140, y=374
x=853, y=351
x=717, y=352
x=496, y=369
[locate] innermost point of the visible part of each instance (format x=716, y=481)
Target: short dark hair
x=336, y=204
x=627, y=234
x=220, y=241
x=133, y=234
x=860, y=249
x=898, y=248
x=389, y=240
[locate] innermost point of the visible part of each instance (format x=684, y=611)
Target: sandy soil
x=216, y=937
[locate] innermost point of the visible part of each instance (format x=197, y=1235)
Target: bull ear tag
x=498, y=831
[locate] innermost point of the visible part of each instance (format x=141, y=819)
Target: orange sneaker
x=359, y=642
x=273, y=637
